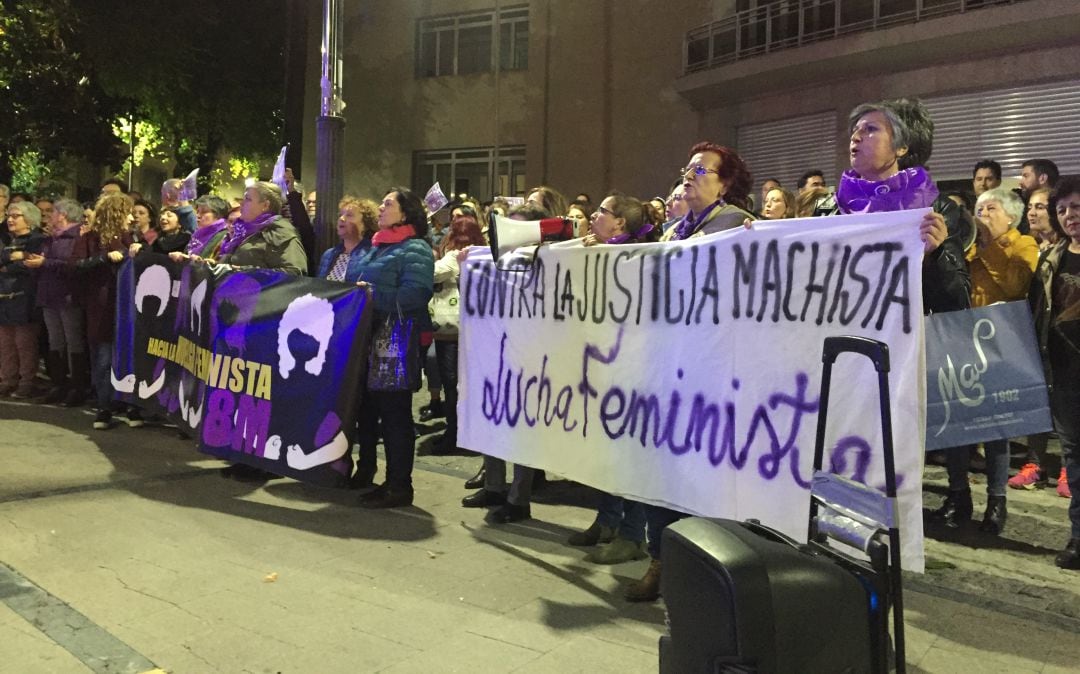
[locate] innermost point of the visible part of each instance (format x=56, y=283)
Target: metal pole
x=131, y=153
x=329, y=129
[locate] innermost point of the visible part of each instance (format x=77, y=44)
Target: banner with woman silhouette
x=259, y=366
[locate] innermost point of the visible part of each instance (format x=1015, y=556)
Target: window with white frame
x=481, y=172
x=464, y=44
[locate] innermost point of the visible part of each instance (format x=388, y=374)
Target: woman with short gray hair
x=68, y=364
x=1001, y=263
x=18, y=313
x=889, y=146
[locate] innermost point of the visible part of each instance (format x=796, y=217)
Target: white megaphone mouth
x=508, y=235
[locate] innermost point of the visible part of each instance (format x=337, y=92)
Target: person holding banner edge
x=513, y=502
x=716, y=188
x=1001, y=265
x=399, y=272
x=891, y=142
x=620, y=523
x=260, y=239
x=1055, y=303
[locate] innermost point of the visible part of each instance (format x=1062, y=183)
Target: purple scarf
x=201, y=236
x=690, y=224
x=910, y=188
x=242, y=231
x=632, y=236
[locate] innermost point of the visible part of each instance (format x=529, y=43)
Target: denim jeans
x=958, y=463
x=624, y=515
x=1065, y=407
x=659, y=519
x=100, y=368
x=394, y=410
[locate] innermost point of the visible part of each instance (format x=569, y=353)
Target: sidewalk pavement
x=123, y=551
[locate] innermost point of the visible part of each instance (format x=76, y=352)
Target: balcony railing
x=785, y=24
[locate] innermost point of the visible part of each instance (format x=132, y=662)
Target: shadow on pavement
x=154, y=463
x=566, y=616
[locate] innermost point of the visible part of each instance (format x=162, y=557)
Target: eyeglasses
x=601, y=209
x=697, y=171
x=14, y=215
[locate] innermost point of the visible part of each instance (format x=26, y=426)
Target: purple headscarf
x=201, y=236
x=244, y=230
x=910, y=188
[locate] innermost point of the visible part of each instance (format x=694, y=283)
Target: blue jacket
x=189, y=222
x=402, y=276
x=352, y=272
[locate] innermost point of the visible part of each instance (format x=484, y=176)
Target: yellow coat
x=1001, y=270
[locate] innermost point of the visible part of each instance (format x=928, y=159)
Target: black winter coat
x=946, y=282
x=18, y=285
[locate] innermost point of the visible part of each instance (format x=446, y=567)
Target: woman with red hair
x=464, y=231
x=716, y=190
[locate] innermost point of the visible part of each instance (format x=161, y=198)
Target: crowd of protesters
x=59, y=262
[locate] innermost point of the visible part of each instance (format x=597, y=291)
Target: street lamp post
x=329, y=129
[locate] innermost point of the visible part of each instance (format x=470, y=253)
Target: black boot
x=1069, y=558
x=79, y=387
x=56, y=367
x=476, y=481
x=956, y=511
x=996, y=514
x=433, y=410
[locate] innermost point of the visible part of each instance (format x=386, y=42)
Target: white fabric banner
x=687, y=374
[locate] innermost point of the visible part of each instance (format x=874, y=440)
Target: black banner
x=261, y=367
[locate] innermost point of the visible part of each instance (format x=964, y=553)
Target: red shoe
x=1029, y=477
x=1063, y=485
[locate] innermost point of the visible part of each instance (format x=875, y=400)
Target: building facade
x=492, y=97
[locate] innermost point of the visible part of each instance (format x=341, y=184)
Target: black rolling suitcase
x=742, y=597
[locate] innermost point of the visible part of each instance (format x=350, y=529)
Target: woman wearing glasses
x=18, y=313
x=716, y=188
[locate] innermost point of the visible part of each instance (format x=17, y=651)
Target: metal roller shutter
x=787, y=148
x=1009, y=126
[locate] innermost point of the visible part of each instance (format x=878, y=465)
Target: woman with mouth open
x=889, y=146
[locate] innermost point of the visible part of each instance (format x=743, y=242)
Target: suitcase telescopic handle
x=876, y=351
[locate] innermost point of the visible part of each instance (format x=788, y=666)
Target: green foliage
x=149, y=141
x=230, y=169
x=202, y=78
x=208, y=74
x=52, y=104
